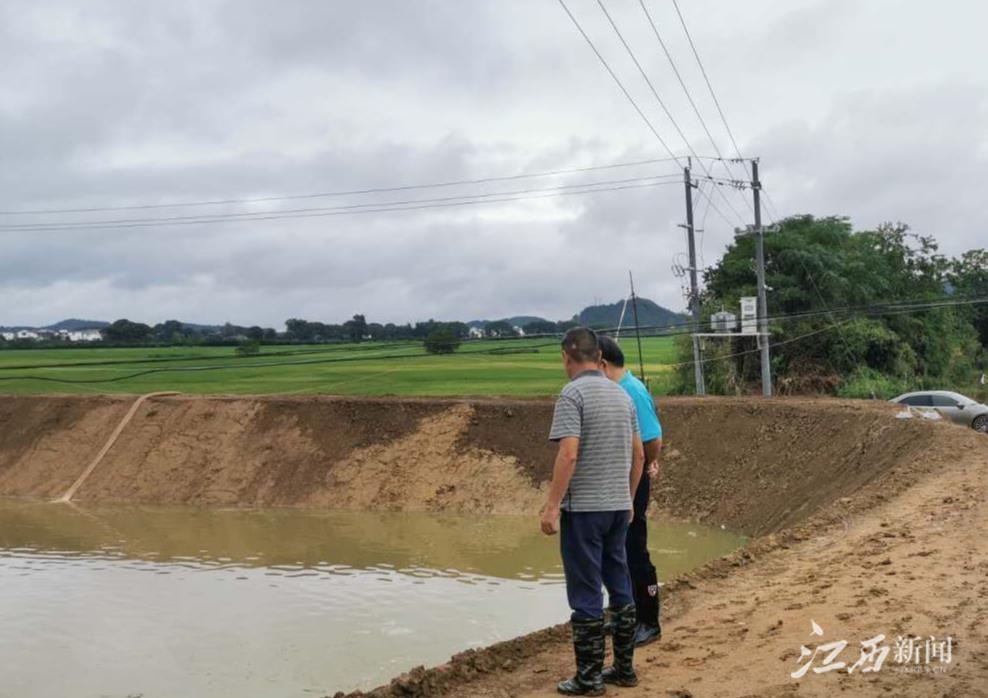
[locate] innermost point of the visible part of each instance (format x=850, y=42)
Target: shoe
x=645, y=634
x=625, y=627
x=588, y=644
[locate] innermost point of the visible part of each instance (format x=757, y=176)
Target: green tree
x=248, y=347
x=500, y=328
x=299, y=330
x=356, y=328
x=442, y=341
x=540, y=327
x=968, y=276
x=171, y=331
x=818, y=269
x=124, y=331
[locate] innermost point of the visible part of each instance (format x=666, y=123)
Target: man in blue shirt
x=645, y=584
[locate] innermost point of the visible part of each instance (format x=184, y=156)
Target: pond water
x=131, y=601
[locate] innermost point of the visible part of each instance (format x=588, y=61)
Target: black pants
x=644, y=580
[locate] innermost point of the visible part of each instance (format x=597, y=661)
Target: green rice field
x=509, y=367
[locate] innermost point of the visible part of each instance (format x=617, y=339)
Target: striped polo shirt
x=599, y=413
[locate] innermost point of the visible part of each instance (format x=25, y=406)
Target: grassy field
x=516, y=367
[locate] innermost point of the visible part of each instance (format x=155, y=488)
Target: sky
x=875, y=110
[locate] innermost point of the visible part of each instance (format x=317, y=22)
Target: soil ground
x=864, y=524
x=914, y=566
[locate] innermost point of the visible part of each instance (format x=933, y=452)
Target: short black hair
x=580, y=344
x=610, y=351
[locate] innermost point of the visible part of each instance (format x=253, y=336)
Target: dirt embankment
x=903, y=560
x=337, y=453
x=866, y=524
x=755, y=466
x=878, y=531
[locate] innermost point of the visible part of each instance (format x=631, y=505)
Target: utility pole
x=694, y=290
x=763, y=341
x=634, y=308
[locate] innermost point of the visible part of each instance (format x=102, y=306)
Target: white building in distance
x=90, y=335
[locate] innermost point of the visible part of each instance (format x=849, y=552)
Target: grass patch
x=527, y=367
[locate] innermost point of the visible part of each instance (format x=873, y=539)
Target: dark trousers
x=644, y=579
x=592, y=545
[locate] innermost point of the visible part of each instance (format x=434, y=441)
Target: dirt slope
x=752, y=465
x=905, y=556
x=45, y=442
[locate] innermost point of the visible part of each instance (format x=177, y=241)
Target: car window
x=919, y=401
x=944, y=401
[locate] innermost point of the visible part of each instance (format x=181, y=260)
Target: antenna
x=638, y=336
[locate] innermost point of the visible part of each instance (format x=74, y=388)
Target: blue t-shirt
x=648, y=418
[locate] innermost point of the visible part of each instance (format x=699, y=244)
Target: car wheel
x=981, y=424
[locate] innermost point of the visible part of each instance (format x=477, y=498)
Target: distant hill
x=70, y=325
x=650, y=314
x=73, y=324
x=516, y=321
x=206, y=329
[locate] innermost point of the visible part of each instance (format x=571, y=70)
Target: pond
x=164, y=601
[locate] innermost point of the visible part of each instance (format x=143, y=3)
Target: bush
x=441, y=341
x=248, y=347
x=868, y=383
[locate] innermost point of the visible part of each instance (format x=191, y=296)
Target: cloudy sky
x=877, y=110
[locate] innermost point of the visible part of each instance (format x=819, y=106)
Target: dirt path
x=916, y=565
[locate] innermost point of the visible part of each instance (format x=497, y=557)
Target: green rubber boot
x=623, y=671
x=588, y=643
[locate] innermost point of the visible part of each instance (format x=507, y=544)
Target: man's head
x=611, y=358
x=580, y=351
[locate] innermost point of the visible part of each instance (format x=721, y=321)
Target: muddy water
x=138, y=601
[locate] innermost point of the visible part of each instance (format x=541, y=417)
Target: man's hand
x=631, y=515
x=654, y=469
x=550, y=519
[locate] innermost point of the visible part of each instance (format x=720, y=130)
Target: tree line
x=822, y=264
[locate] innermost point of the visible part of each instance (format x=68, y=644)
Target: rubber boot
x=648, y=605
x=623, y=671
x=588, y=643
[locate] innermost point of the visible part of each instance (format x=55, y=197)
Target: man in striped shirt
x=597, y=468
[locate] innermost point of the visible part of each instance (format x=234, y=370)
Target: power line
x=686, y=91
x=702, y=230
x=893, y=308
x=770, y=204
x=898, y=309
x=655, y=93
x=773, y=212
x=710, y=204
x=620, y=84
x=706, y=78
x=379, y=207
x=352, y=192
x=375, y=204
x=835, y=325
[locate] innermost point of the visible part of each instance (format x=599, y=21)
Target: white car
x=952, y=406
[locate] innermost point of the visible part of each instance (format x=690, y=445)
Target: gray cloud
x=115, y=103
